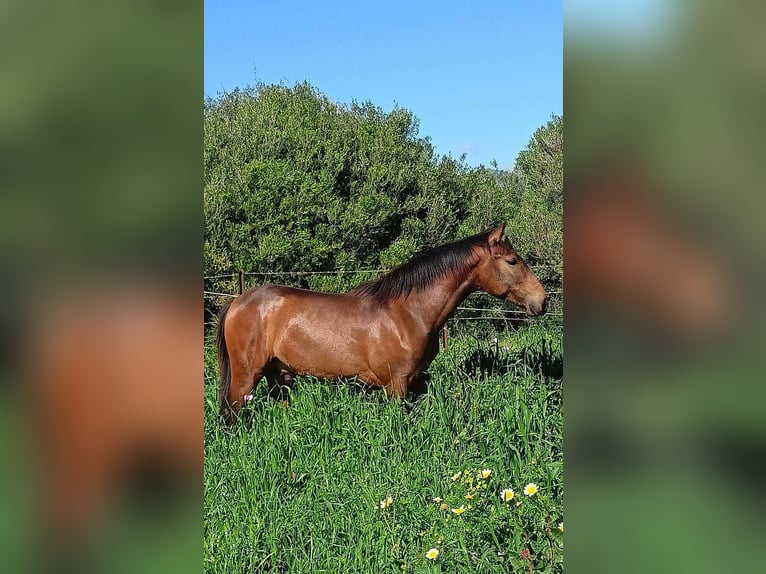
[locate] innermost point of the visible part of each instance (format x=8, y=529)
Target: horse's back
x=279, y=308
x=276, y=297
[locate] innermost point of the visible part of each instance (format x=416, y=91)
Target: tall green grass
x=298, y=488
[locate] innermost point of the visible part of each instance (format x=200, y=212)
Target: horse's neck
x=434, y=305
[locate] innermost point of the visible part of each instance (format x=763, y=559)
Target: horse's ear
x=497, y=235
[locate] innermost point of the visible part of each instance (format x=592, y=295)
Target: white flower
x=530, y=489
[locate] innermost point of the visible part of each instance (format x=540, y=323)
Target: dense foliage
x=296, y=182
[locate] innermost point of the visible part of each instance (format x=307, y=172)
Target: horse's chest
x=424, y=353
x=432, y=349
x=402, y=348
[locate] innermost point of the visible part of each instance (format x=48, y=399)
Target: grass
x=298, y=488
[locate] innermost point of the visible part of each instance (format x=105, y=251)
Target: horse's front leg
x=419, y=383
x=399, y=386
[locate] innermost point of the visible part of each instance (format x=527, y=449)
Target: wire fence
x=484, y=307
x=327, y=273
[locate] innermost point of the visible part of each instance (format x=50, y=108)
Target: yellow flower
x=468, y=496
x=457, y=475
x=459, y=510
x=507, y=495
x=386, y=502
x=443, y=506
x=530, y=489
x=485, y=473
x=438, y=499
x=432, y=554
x=561, y=526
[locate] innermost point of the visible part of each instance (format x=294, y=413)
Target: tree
x=536, y=191
x=296, y=182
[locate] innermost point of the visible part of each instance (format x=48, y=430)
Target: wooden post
x=241, y=282
x=444, y=337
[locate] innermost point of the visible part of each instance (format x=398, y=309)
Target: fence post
x=241, y=282
x=444, y=337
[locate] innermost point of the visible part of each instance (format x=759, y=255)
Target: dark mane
x=423, y=269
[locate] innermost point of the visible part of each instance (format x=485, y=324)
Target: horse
x=629, y=256
x=114, y=399
x=384, y=332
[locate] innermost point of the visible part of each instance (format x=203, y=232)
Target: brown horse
x=385, y=332
x=628, y=254
x=115, y=402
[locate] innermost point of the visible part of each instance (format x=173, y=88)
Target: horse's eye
x=513, y=261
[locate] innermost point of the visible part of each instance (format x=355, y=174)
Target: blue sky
x=480, y=76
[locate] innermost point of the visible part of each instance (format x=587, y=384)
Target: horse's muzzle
x=536, y=307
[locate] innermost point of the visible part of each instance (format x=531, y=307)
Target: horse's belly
x=305, y=364
x=322, y=352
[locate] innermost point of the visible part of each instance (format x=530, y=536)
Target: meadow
x=339, y=479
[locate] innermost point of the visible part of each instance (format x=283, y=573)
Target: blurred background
x=101, y=220
x=664, y=172
x=100, y=144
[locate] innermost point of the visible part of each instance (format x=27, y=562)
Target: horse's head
x=504, y=274
x=630, y=254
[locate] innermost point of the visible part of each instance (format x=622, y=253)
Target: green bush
x=296, y=182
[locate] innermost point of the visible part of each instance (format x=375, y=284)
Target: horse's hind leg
x=243, y=380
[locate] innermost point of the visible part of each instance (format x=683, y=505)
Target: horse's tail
x=224, y=366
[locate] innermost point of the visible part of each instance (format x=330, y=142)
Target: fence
x=478, y=307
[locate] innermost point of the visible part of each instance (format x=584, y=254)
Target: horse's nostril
x=545, y=304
